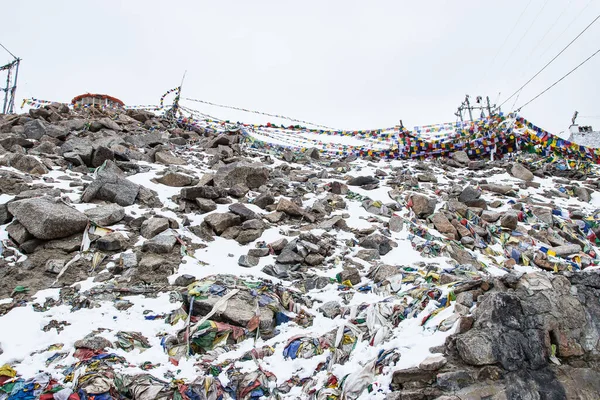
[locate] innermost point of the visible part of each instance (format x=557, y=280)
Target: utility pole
x=11, y=87
x=467, y=106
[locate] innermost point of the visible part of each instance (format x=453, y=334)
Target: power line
x=558, y=81
x=506, y=40
x=8, y=51
x=550, y=29
x=525, y=34
x=258, y=112
x=567, y=28
x=551, y=61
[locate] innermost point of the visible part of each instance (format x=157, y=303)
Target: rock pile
x=175, y=259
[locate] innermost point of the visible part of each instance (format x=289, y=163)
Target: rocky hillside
x=145, y=258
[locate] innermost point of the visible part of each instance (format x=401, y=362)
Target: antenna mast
x=10, y=89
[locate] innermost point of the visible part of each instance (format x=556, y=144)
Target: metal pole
x=469, y=108
x=5, y=105
x=14, y=89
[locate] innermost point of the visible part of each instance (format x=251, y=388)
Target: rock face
x=519, y=328
x=46, y=219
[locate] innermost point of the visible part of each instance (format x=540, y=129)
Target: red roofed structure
x=97, y=100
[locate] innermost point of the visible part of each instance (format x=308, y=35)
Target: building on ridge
x=97, y=101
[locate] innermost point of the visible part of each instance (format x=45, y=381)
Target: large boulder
x=219, y=222
x=252, y=176
x=106, y=215
x=111, y=185
x=28, y=164
x=47, y=219
x=78, y=148
x=422, y=205
x=167, y=158
x=34, y=129
x=175, y=179
x=520, y=172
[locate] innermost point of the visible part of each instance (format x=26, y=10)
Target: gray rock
x=106, y=215
x=175, y=179
x=543, y=214
x=167, y=158
x=520, y=172
x=509, y=220
x=490, y=216
x=184, y=280
x=396, y=224
x=368, y=254
x=331, y=309
x=112, y=242
x=205, y=192
x=460, y=157
x=248, y=261
x=128, y=260
x=46, y=219
x=377, y=242
x=93, y=343
x=381, y=273
x=5, y=215
x=274, y=217
x=153, y=226
x=81, y=148
x=423, y=206
x=219, y=222
x=465, y=298
x=469, y=194
x=433, y=362
x=238, y=191
x=567, y=249
x=279, y=244
x=454, y=380
x=288, y=256
x=111, y=185
x=206, y=205
x=54, y=266
x=239, y=311
x=253, y=224
x=495, y=188
x=248, y=236
x=259, y=252
x=443, y=225
x=252, y=176
x=162, y=243
x=34, y=129
x=363, y=180
x=244, y=212
x=290, y=208
x=26, y=163
x=263, y=200
x=350, y=274
x=582, y=194
x=110, y=124
x=476, y=348
x=102, y=154
x=314, y=259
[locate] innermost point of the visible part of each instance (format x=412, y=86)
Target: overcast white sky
x=346, y=64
